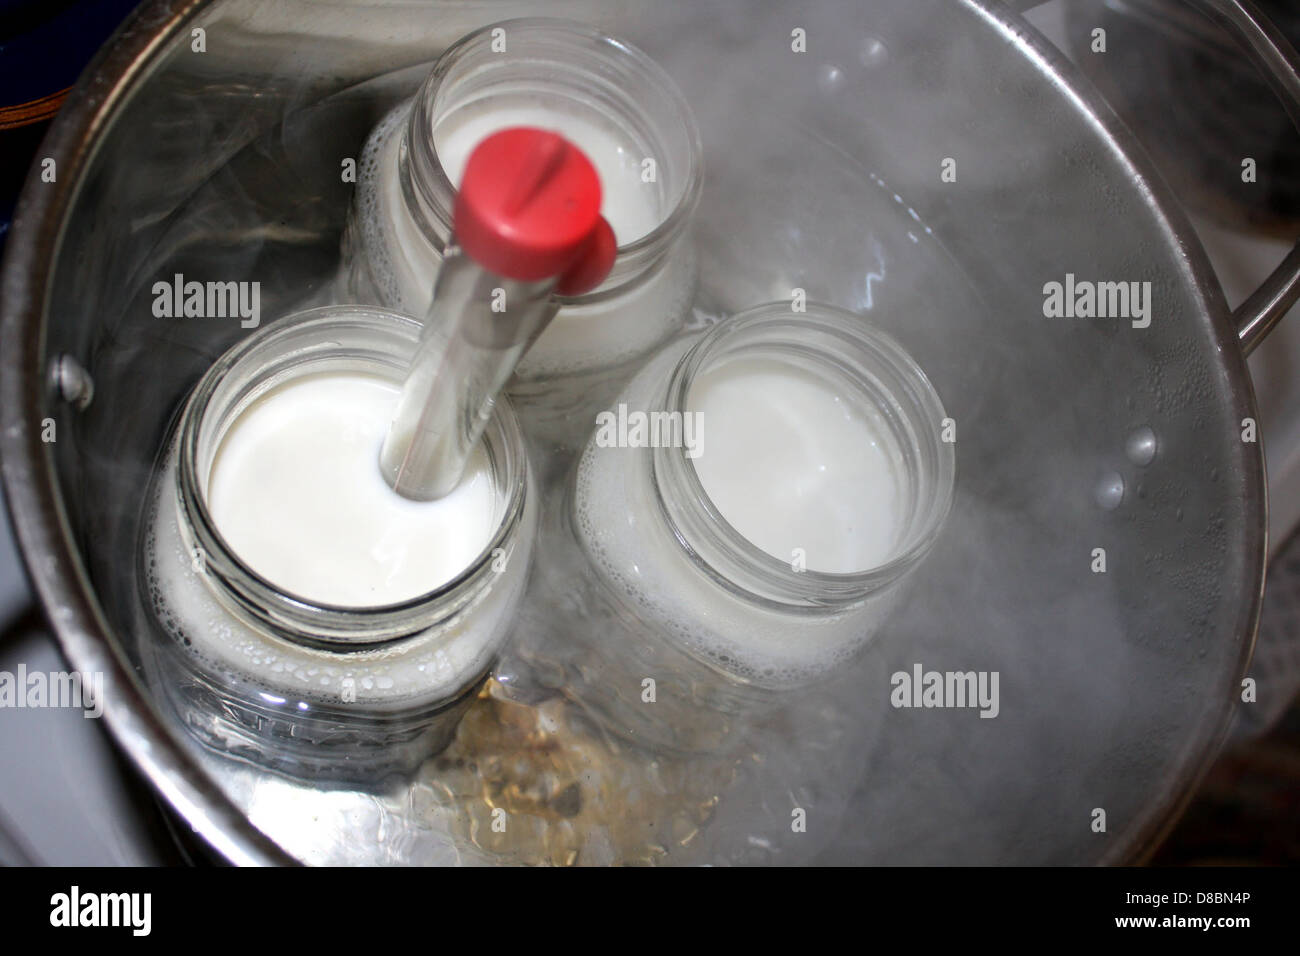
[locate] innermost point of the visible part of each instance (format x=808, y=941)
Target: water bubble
x=1110, y=490
x=830, y=78
x=1141, y=446
x=873, y=52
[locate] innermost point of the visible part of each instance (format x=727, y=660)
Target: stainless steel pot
x=823, y=172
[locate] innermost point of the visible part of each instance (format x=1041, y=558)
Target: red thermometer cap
x=528, y=209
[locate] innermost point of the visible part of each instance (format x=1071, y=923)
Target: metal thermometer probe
x=526, y=225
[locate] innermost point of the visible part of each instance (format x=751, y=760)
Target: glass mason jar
x=309, y=688
x=688, y=631
x=617, y=105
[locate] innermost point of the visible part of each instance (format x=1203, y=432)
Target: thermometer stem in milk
x=526, y=223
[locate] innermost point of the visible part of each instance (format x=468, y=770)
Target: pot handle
x=1276, y=58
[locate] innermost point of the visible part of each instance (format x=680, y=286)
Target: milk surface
x=798, y=467
x=295, y=490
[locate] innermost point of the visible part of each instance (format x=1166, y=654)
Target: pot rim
x=35, y=505
x=1180, y=785
x=63, y=587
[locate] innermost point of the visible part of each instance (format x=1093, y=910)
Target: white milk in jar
x=316, y=621
x=295, y=492
x=760, y=555
x=616, y=105
x=800, y=471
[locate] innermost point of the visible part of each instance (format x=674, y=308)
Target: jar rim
x=315, y=623
x=710, y=539
x=439, y=192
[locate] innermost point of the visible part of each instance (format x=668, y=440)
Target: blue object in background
x=44, y=46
